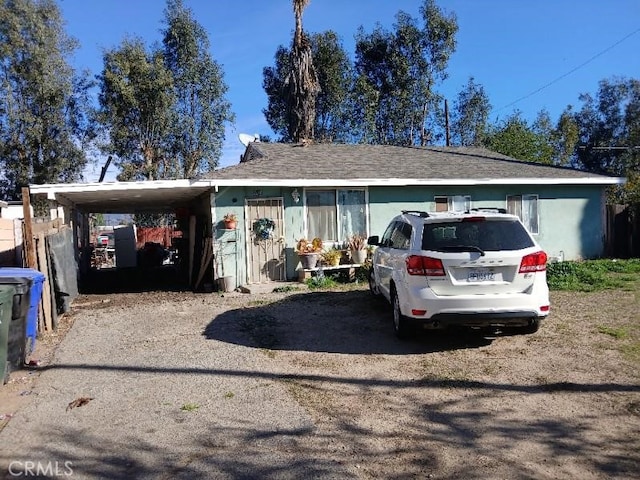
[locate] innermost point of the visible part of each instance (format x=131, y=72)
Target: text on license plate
x=482, y=275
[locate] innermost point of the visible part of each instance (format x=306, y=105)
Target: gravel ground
x=315, y=385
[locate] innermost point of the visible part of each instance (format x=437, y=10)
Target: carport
x=189, y=200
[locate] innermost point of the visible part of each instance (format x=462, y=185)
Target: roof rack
x=488, y=209
x=418, y=213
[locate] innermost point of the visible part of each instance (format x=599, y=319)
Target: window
x=489, y=235
x=526, y=208
x=453, y=203
x=401, y=236
x=335, y=215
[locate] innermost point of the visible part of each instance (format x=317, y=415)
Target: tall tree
x=566, y=138
x=470, y=117
x=201, y=109
x=43, y=104
x=136, y=101
x=334, y=71
x=397, y=73
x=516, y=138
x=302, y=82
x=609, y=133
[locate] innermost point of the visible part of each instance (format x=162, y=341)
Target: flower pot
x=226, y=284
x=230, y=224
x=334, y=262
x=309, y=260
x=358, y=256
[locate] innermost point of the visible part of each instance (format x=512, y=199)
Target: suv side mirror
x=374, y=240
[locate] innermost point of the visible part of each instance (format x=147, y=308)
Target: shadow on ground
x=350, y=322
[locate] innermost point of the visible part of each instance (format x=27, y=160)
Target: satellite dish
x=245, y=139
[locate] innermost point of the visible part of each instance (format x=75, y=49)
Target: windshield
x=486, y=235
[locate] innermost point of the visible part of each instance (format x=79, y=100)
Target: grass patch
x=324, y=281
x=189, y=407
x=229, y=395
x=286, y=289
x=618, y=333
x=593, y=275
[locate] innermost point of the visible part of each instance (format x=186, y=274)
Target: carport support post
x=29, y=244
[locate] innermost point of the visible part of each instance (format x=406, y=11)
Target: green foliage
x=165, y=109
x=189, y=407
x=286, y=289
x=618, y=333
x=201, y=109
x=609, y=133
x=516, y=138
x=334, y=72
x=592, y=275
x=319, y=282
x=136, y=97
x=43, y=104
x=387, y=97
x=470, y=116
x=396, y=76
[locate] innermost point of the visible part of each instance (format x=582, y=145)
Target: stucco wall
x=570, y=217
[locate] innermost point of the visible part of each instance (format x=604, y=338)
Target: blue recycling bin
x=28, y=303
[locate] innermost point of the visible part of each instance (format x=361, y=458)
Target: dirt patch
x=561, y=403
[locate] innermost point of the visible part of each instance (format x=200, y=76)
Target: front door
x=265, y=246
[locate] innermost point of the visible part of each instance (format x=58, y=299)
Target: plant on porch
x=309, y=251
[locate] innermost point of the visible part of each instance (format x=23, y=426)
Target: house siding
x=571, y=224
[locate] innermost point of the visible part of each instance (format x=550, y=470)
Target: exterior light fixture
x=295, y=195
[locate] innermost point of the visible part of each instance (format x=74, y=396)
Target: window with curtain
x=526, y=208
x=335, y=215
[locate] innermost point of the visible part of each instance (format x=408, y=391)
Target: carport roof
x=124, y=197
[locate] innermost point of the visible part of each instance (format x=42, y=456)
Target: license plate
x=480, y=276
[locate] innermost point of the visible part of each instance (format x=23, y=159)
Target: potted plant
x=332, y=257
x=230, y=221
x=357, y=245
x=309, y=251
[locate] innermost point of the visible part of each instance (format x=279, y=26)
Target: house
x=333, y=190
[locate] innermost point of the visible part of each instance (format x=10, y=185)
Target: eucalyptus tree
x=43, y=103
x=334, y=72
x=609, y=133
x=136, y=100
x=201, y=110
x=516, y=138
x=470, y=115
x=397, y=73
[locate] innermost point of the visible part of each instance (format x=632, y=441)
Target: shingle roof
x=279, y=161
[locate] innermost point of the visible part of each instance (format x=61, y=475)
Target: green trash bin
x=6, y=309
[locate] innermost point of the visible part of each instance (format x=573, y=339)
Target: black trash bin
x=7, y=294
x=28, y=283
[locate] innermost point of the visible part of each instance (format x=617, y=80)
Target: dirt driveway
x=314, y=385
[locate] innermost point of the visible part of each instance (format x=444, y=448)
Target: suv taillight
x=534, y=262
x=425, y=266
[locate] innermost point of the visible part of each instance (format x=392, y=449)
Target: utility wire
x=572, y=70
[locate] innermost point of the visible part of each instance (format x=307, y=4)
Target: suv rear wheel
x=400, y=322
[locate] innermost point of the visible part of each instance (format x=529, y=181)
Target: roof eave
x=402, y=182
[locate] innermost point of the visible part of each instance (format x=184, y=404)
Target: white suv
x=479, y=269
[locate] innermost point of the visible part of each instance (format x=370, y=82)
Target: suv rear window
x=488, y=235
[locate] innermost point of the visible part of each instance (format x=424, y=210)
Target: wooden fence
x=13, y=254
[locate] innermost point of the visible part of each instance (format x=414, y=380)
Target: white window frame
x=336, y=191
x=451, y=201
x=525, y=199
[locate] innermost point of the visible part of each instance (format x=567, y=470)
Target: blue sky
x=513, y=48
